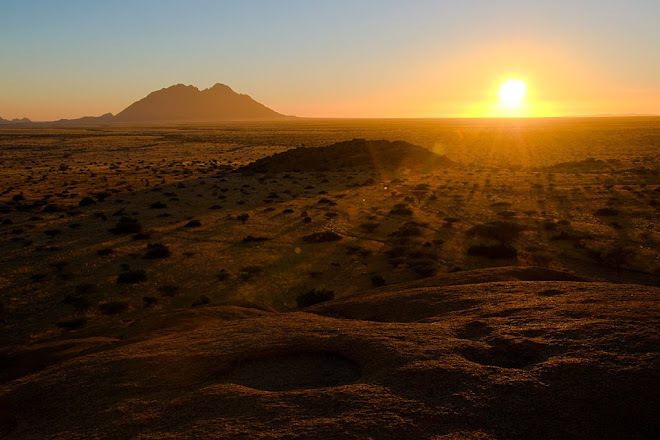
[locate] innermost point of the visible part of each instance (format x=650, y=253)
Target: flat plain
x=527, y=265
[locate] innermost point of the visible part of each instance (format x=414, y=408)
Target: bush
x=248, y=272
x=322, y=237
x=132, y=276
x=193, y=224
x=369, y=226
x=72, y=324
x=501, y=231
x=314, y=296
x=149, y=301
x=401, y=209
x=223, y=274
x=606, y=212
x=156, y=250
x=202, y=300
x=87, y=201
x=252, y=239
x=408, y=229
x=113, y=307
x=168, y=290
x=127, y=225
x=377, y=281
x=493, y=252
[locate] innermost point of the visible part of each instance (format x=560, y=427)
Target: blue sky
x=341, y=58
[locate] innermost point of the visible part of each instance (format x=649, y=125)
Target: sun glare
x=512, y=93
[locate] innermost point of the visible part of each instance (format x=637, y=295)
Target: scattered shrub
x=202, y=300
x=113, y=307
x=606, y=212
x=377, y=280
x=369, y=226
x=401, y=209
x=501, y=231
x=72, y=324
x=314, y=296
x=78, y=302
x=193, y=224
x=149, y=301
x=252, y=239
x=493, y=252
x=156, y=250
x=168, y=290
x=87, y=201
x=132, y=276
x=248, y=272
x=322, y=237
x=127, y=225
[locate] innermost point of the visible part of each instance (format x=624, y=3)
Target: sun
x=512, y=93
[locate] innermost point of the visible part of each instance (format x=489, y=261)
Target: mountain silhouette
x=14, y=121
x=189, y=104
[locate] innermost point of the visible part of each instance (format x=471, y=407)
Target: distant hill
x=189, y=104
x=379, y=155
x=14, y=121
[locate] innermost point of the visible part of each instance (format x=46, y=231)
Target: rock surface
x=447, y=358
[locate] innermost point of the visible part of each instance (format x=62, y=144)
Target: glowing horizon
x=337, y=60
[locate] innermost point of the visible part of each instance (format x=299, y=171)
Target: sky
x=355, y=58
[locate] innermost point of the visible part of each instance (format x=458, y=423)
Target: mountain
x=14, y=121
x=108, y=117
x=189, y=104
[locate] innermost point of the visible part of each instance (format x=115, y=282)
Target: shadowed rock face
x=189, y=104
x=379, y=155
x=287, y=372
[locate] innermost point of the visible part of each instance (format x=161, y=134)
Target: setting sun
x=512, y=92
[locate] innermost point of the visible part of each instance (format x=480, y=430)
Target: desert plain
x=485, y=279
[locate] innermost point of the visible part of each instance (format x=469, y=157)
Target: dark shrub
x=113, y=307
x=223, y=274
x=193, y=224
x=377, y=281
x=243, y=217
x=87, y=201
x=606, y=212
x=72, y=324
x=493, y=252
x=132, y=276
x=408, y=229
x=202, y=300
x=423, y=267
x=156, y=250
x=149, y=301
x=84, y=289
x=78, y=302
x=52, y=232
x=158, y=205
x=322, y=237
x=248, y=272
x=401, y=209
x=252, y=239
x=314, y=296
x=168, y=290
x=369, y=226
x=127, y=225
x=501, y=231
